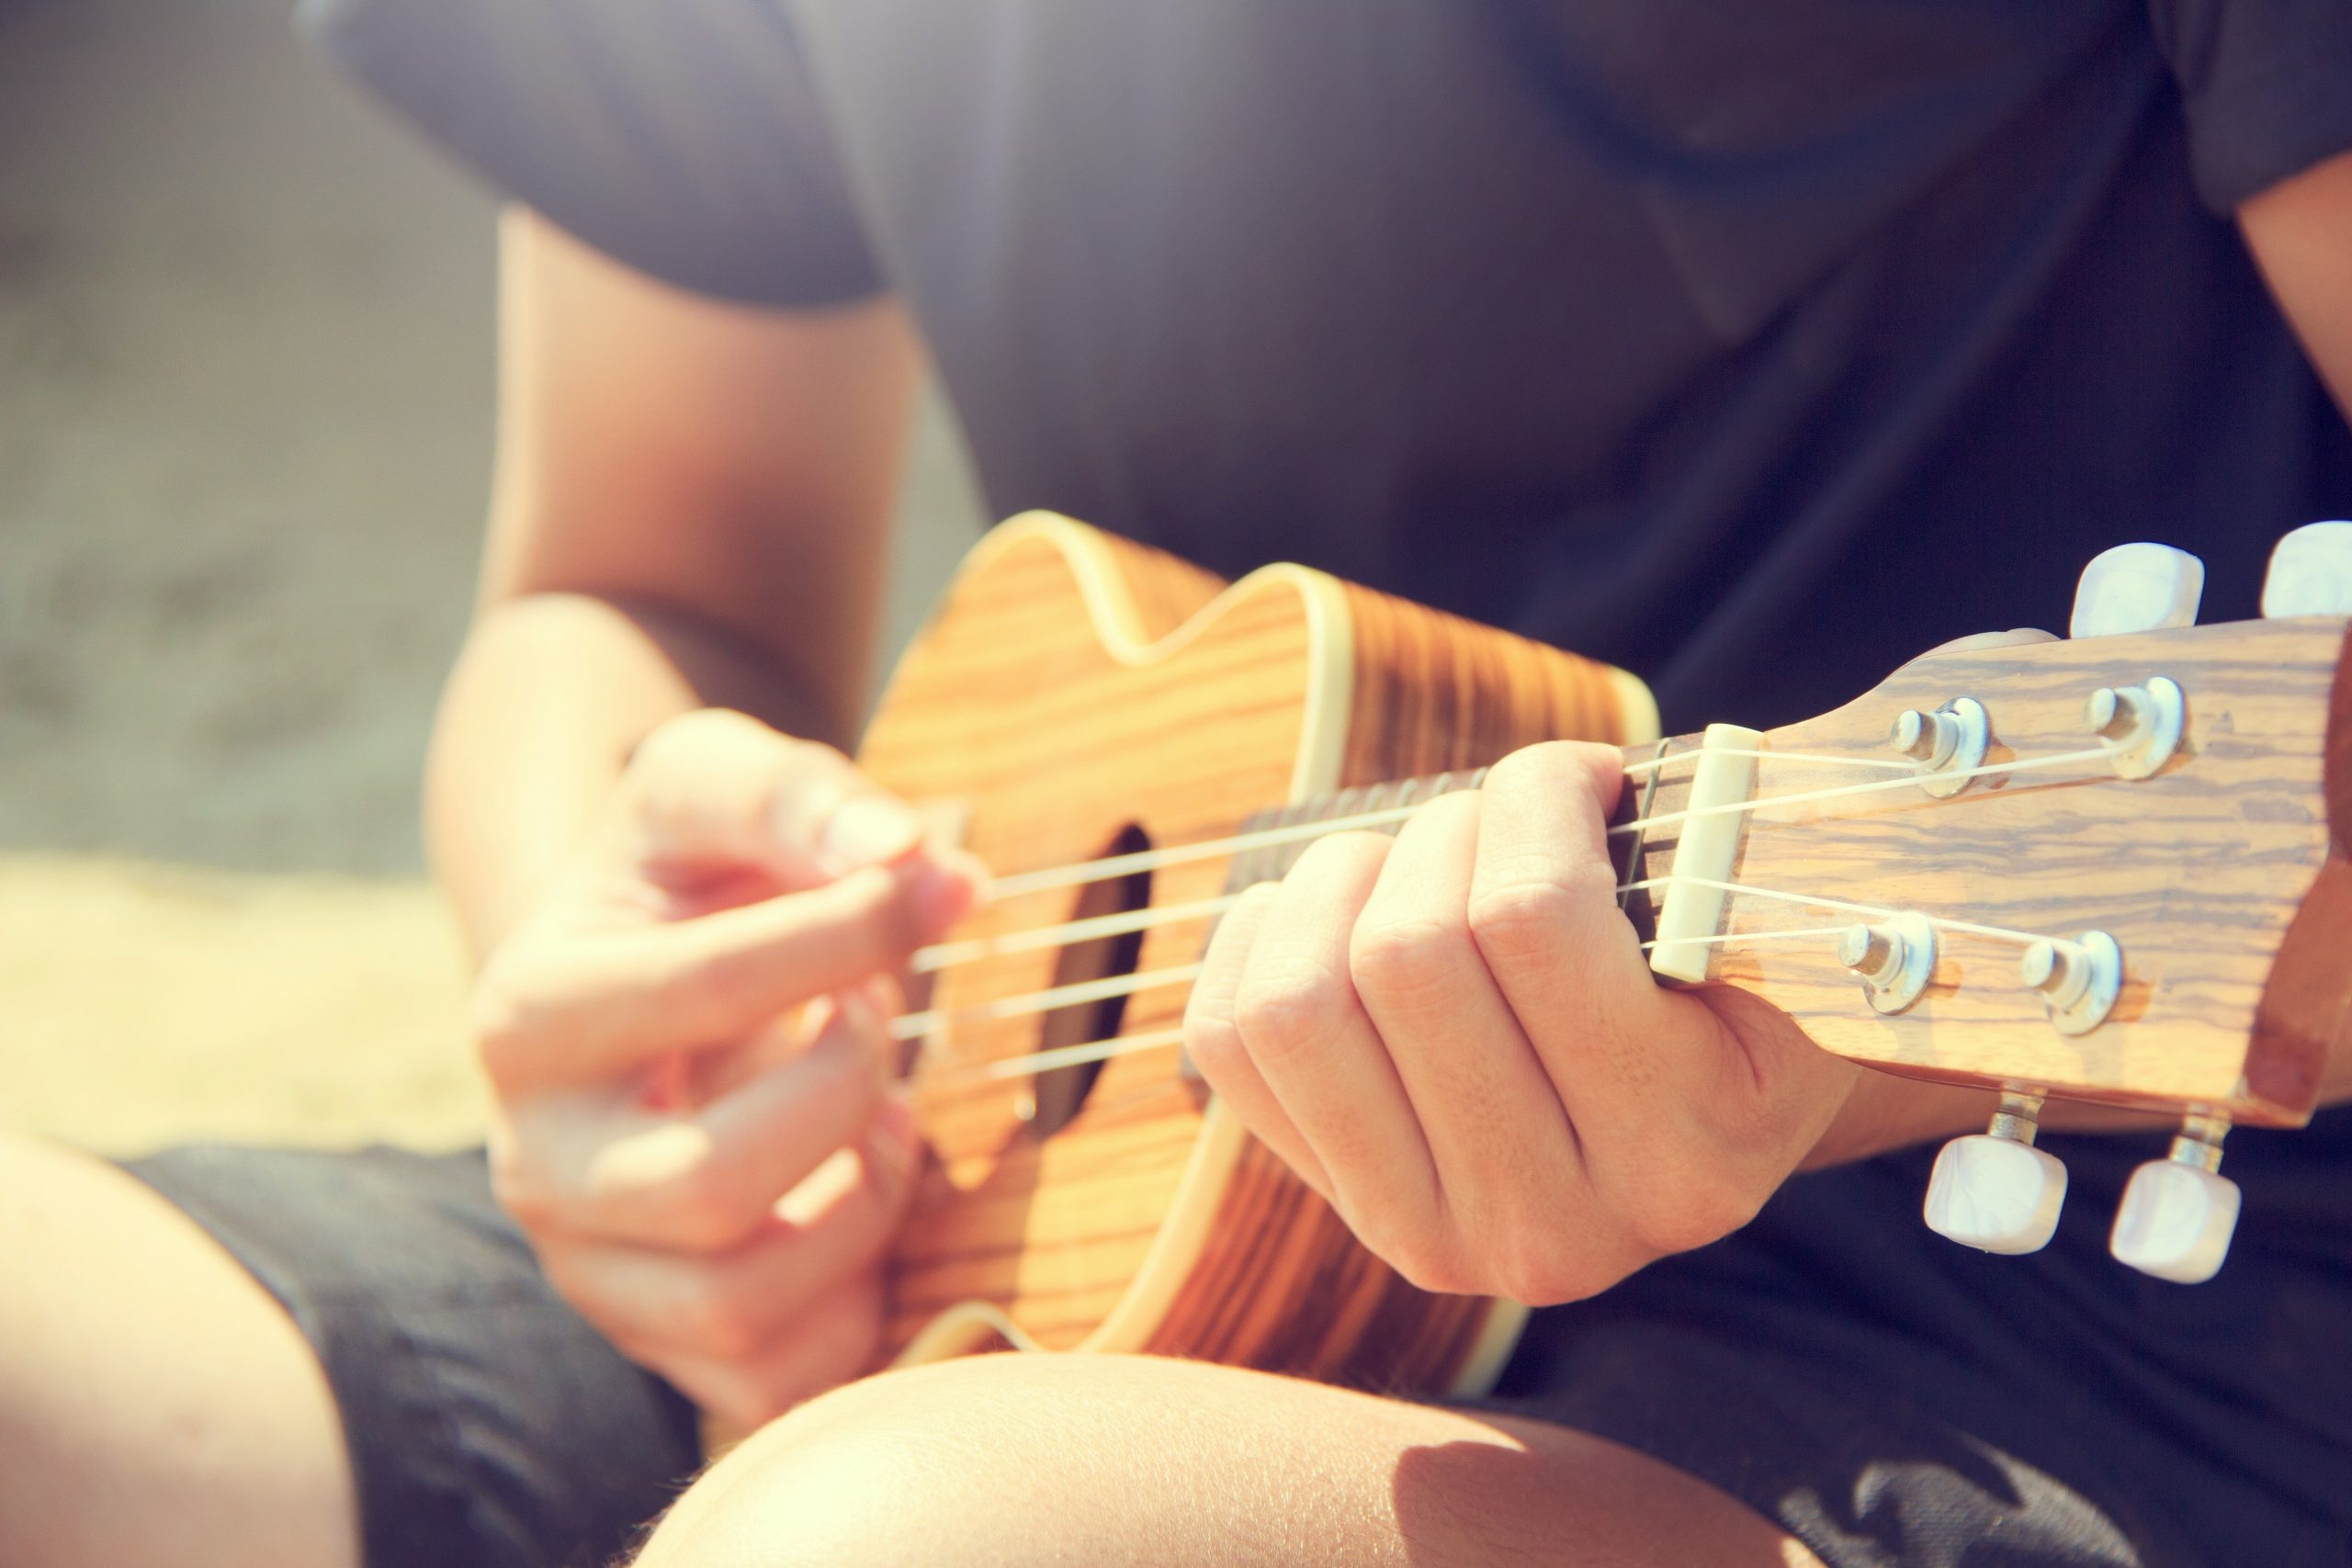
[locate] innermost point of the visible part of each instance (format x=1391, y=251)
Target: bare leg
x=157, y=1408
x=1010, y=1461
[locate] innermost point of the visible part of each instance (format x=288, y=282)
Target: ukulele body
x=1076, y=696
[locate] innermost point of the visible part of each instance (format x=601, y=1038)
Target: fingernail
x=869, y=830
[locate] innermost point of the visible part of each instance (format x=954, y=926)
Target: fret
x=1268, y=862
x=1651, y=790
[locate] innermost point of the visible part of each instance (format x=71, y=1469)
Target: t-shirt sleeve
x=2267, y=84
x=685, y=137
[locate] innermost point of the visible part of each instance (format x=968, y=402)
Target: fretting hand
x=687, y=1038
x=1454, y=1038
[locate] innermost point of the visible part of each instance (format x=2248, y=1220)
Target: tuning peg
x=2137, y=588
x=2178, y=1213
x=1994, y=1191
x=2310, y=572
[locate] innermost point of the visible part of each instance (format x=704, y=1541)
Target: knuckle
x=1529, y=764
x=1214, y=1043
x=502, y=1019
x=579, y=1290
x=859, y=1228
x=844, y=1069
x=1676, y=1212
x=718, y=1317
x=1547, y=765
x=700, y=727
x=500, y=1035
x=1515, y=922
x=1535, y=1274
x=702, y=991
x=1284, y=1015
x=1250, y=907
x=520, y=1187
x=866, y=920
x=882, y=917
x=1423, y=1256
x=1333, y=852
x=679, y=740
x=493, y=1010
x=796, y=767
x=1437, y=1270
x=706, y=984
x=1411, y=961
x=701, y=1210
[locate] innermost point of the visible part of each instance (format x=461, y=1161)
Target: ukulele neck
x=1649, y=790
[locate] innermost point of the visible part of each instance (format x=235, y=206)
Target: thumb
x=714, y=787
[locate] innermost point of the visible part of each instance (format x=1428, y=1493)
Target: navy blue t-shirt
x=1754, y=348
x=1752, y=344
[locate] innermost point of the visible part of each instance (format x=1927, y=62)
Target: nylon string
x=947, y=955
x=1083, y=872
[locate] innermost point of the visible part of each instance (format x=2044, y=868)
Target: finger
x=708, y=1179
x=596, y=1004
x=1311, y=1042
x=1498, y=1133
x=1685, y=1122
x=1542, y=911
x=833, y=1342
x=731, y=1306
x=714, y=785
x=714, y=1073
x=1213, y=1041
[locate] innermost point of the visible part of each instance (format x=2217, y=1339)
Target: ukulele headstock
x=2107, y=869
x=2147, y=879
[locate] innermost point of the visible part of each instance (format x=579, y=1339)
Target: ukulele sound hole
x=1057, y=1094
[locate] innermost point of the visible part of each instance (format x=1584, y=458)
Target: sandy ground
x=244, y=385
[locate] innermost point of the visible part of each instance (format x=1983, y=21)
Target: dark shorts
x=489, y=1425
x=1893, y=1401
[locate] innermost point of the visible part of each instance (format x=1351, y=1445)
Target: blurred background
x=246, y=332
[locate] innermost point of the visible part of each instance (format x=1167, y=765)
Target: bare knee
x=1119, y=1461
x=933, y=1465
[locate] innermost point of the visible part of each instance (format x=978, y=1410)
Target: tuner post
x=2178, y=1213
x=2140, y=726
x=1895, y=959
x=2078, y=980
x=1930, y=737
x=1951, y=740
x=1994, y=1191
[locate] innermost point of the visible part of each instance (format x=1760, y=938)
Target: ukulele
x=1950, y=877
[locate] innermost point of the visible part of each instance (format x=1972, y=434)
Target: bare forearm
x=551, y=695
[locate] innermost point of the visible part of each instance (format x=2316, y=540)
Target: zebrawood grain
x=2222, y=876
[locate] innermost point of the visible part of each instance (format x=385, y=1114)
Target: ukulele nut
x=1895, y=959
x=2140, y=725
x=2078, y=980
x=1951, y=740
